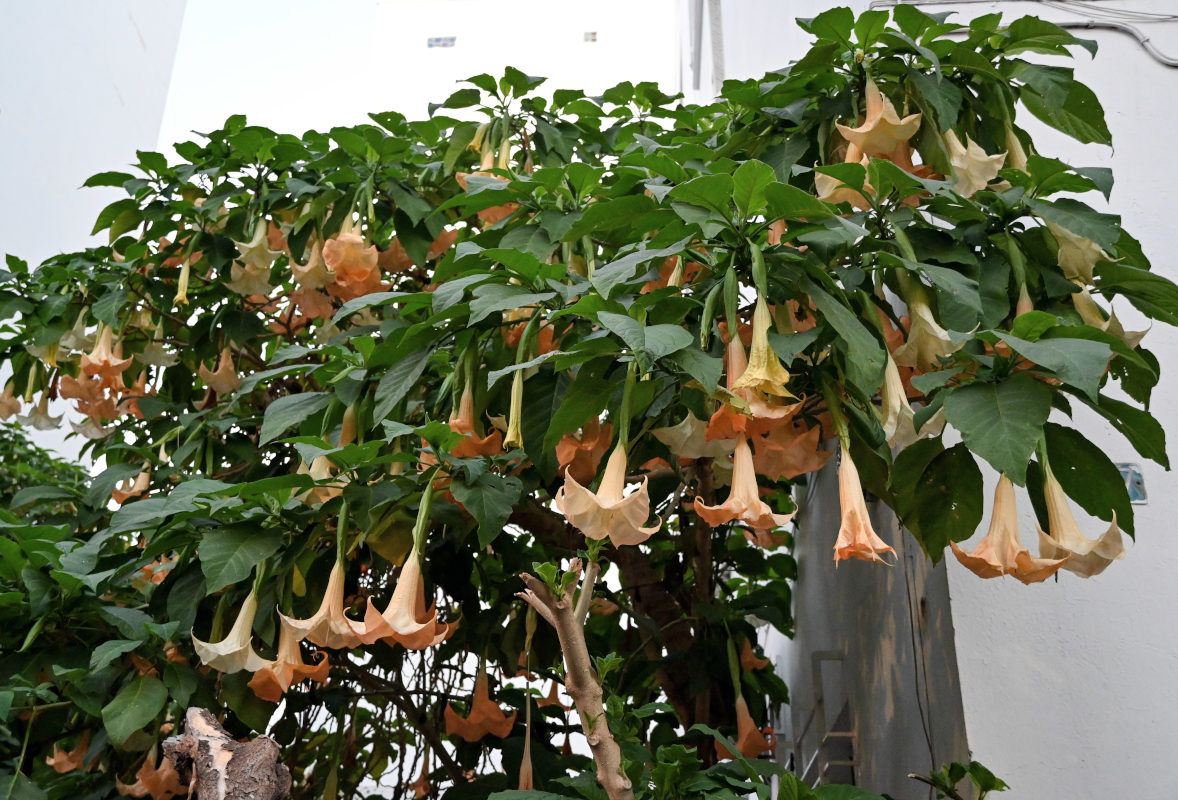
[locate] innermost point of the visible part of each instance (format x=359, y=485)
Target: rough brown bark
x=218, y=768
x=581, y=683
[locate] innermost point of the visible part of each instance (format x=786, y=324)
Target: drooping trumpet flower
x=272, y=680
x=856, y=539
x=235, y=652
x=224, y=380
x=158, y=783
x=580, y=456
x=973, y=168
x=897, y=415
x=484, y=717
x=1001, y=552
x=103, y=361
x=1085, y=557
x=788, y=451
x=327, y=627
x=764, y=372
x=744, y=503
x=927, y=341
x=609, y=511
x=751, y=741
x=406, y=620
x=688, y=439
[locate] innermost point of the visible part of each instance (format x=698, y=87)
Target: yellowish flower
x=256, y=254
x=235, y=652
x=856, y=539
x=1077, y=255
x=328, y=627
x=764, y=373
x=515, y=416
x=972, y=166
x=313, y=274
x=688, y=439
x=1001, y=552
x=609, y=512
x=1092, y=315
x=882, y=130
x=897, y=415
x=1085, y=557
x=249, y=280
x=927, y=341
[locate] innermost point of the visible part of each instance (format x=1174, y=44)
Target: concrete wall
x=892, y=629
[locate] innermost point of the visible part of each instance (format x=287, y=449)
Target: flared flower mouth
x=484, y=717
x=235, y=652
x=609, y=512
x=857, y=538
x=882, y=130
x=1001, y=552
x=744, y=503
x=1085, y=557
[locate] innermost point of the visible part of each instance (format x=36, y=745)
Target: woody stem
x=582, y=685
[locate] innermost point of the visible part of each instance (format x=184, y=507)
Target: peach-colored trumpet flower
x=64, y=761
x=789, y=451
x=1001, y=552
x=484, y=717
x=882, y=130
x=275, y=677
x=103, y=361
x=580, y=456
x=158, y=783
x=224, y=380
x=327, y=627
x=744, y=503
x=609, y=511
x=751, y=741
x=133, y=488
x=406, y=620
x=856, y=539
x=353, y=264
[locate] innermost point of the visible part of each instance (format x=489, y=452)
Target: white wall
x=83, y=88
x=1068, y=687
x=320, y=64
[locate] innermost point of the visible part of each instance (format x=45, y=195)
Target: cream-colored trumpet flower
x=856, y=539
x=897, y=415
x=272, y=680
x=609, y=512
x=313, y=274
x=927, y=341
x=764, y=373
x=328, y=627
x=1092, y=315
x=688, y=439
x=1001, y=552
x=235, y=652
x=972, y=166
x=39, y=416
x=882, y=131
x=256, y=255
x=76, y=337
x=1085, y=557
x=133, y=488
x=744, y=503
x=515, y=416
x=249, y=280
x=406, y=620
x=321, y=469
x=1077, y=255
x=225, y=379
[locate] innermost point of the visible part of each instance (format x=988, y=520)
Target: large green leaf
x=1152, y=294
x=1079, y=116
x=1141, y=429
x=1081, y=219
x=489, y=500
x=784, y=201
x=948, y=500
x=1080, y=362
x=134, y=706
x=291, y=410
x=229, y=555
x=1001, y=422
x=865, y=355
x=713, y=192
x=748, y=183
x=397, y=382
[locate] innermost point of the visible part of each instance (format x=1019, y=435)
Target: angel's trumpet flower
x=764, y=373
x=485, y=716
x=235, y=652
x=744, y=503
x=972, y=166
x=1001, y=552
x=882, y=131
x=275, y=677
x=856, y=539
x=328, y=627
x=608, y=512
x=897, y=415
x=1085, y=557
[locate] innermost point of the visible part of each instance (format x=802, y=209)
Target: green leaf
x=1150, y=293
x=290, y=410
x=1079, y=116
x=948, y=500
x=748, y=186
x=1141, y=429
x=1080, y=219
x=784, y=201
x=108, y=179
x=586, y=397
x=1001, y=422
x=108, y=651
x=713, y=192
x=606, y=279
x=229, y=555
x=1088, y=476
x=940, y=95
x=134, y=706
x=397, y=382
x=865, y=356
x=702, y=367
x=492, y=297
x=489, y=500
x=834, y=24
x=1080, y=362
